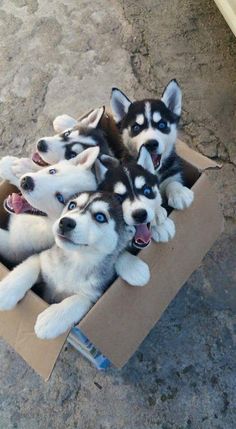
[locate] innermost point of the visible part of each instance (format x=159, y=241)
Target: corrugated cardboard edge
x=124, y=315
x=16, y=328
x=194, y=158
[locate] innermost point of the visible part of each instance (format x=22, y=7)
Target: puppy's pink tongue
x=143, y=234
x=18, y=203
x=38, y=160
x=156, y=159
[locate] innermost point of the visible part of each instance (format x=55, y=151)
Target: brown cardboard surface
x=17, y=329
x=122, y=318
x=196, y=159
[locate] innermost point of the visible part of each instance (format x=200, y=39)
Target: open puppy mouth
x=142, y=237
x=156, y=159
x=17, y=204
x=39, y=160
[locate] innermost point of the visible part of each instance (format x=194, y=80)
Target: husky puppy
x=43, y=193
x=153, y=123
x=65, y=145
x=90, y=235
x=42, y=199
x=95, y=128
x=135, y=185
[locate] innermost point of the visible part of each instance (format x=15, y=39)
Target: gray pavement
x=63, y=57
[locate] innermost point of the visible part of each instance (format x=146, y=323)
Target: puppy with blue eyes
x=90, y=236
x=42, y=198
x=153, y=123
x=135, y=185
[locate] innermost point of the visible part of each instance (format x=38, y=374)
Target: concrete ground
x=64, y=56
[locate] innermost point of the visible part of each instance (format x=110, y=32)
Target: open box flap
x=194, y=158
x=16, y=328
x=124, y=315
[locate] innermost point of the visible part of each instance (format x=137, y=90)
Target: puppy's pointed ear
x=93, y=118
x=172, y=97
x=103, y=164
x=119, y=104
x=63, y=122
x=145, y=160
x=86, y=158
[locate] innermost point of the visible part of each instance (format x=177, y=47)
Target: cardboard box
x=124, y=315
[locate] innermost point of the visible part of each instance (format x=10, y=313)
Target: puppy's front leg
x=6, y=171
x=15, y=285
x=160, y=214
x=132, y=269
x=178, y=196
x=58, y=318
x=164, y=232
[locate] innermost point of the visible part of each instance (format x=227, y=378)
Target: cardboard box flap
x=196, y=159
x=124, y=315
x=16, y=328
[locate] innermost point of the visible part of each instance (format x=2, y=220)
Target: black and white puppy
x=90, y=236
x=153, y=123
x=135, y=185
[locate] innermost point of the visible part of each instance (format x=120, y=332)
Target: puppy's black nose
x=139, y=216
x=151, y=145
x=27, y=183
x=66, y=224
x=42, y=146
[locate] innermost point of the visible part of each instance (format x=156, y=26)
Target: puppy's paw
x=165, y=232
x=6, y=171
x=50, y=323
x=161, y=215
x=23, y=166
x=138, y=274
x=180, y=198
x=9, y=296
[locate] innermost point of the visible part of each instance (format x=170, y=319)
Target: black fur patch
x=138, y=107
x=170, y=166
x=95, y=134
x=126, y=174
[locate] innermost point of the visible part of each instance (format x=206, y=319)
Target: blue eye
x=100, y=217
x=52, y=171
x=147, y=191
x=72, y=154
x=162, y=125
x=136, y=128
x=66, y=134
x=60, y=198
x=72, y=205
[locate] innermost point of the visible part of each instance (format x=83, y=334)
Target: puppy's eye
x=72, y=205
x=162, y=125
x=136, y=128
x=60, y=198
x=66, y=134
x=147, y=191
x=120, y=197
x=52, y=171
x=72, y=154
x=100, y=217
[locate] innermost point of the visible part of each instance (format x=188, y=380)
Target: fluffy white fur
x=28, y=234
x=65, y=270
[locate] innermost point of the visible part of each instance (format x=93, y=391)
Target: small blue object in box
x=81, y=343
